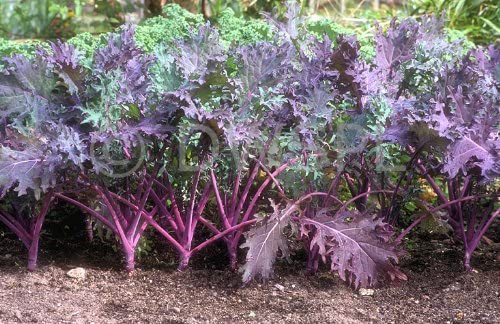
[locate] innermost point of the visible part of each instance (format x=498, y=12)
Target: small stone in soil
x=366, y=292
x=18, y=315
x=252, y=314
x=279, y=287
x=176, y=309
x=77, y=273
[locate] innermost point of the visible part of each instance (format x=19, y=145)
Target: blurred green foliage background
x=51, y=19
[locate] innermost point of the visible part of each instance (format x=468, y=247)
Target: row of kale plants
x=297, y=137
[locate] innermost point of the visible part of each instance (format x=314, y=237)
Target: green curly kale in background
x=174, y=23
x=238, y=30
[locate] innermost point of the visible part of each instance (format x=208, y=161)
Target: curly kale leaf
x=357, y=247
x=42, y=159
x=124, y=66
x=264, y=242
x=64, y=60
x=261, y=64
x=200, y=55
x=240, y=31
x=25, y=87
x=175, y=23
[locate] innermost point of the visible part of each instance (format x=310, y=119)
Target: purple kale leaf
x=264, y=242
x=125, y=67
x=293, y=24
x=469, y=100
x=38, y=161
x=25, y=88
x=69, y=143
x=120, y=49
x=455, y=114
x=26, y=169
x=395, y=47
x=200, y=55
x=263, y=65
x=64, y=60
x=357, y=247
x=467, y=150
x=354, y=79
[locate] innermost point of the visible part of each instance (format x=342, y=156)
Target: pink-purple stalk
x=128, y=215
x=468, y=225
x=28, y=231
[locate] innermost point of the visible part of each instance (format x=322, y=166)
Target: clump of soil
x=437, y=290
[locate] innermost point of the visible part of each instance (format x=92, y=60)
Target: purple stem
x=256, y=197
x=188, y=230
x=446, y=205
x=222, y=234
x=16, y=227
x=89, y=210
x=234, y=198
x=220, y=205
x=135, y=221
x=168, y=188
x=164, y=211
x=36, y=231
x=477, y=238
x=431, y=182
x=250, y=180
x=165, y=234
x=201, y=206
x=407, y=230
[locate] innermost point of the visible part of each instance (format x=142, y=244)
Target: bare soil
x=437, y=290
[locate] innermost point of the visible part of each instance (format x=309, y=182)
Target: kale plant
x=43, y=144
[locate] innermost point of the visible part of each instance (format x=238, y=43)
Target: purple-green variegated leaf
x=263, y=65
x=472, y=151
x=264, y=242
x=25, y=87
x=26, y=170
x=69, y=143
x=294, y=23
x=357, y=247
x=64, y=60
x=124, y=60
x=200, y=55
x=394, y=47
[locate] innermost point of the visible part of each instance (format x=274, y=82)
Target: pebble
x=252, y=314
x=176, y=309
x=77, y=273
x=279, y=287
x=366, y=292
x=459, y=316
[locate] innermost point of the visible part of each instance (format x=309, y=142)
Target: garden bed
x=438, y=290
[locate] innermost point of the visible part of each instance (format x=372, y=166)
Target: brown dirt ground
x=437, y=291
